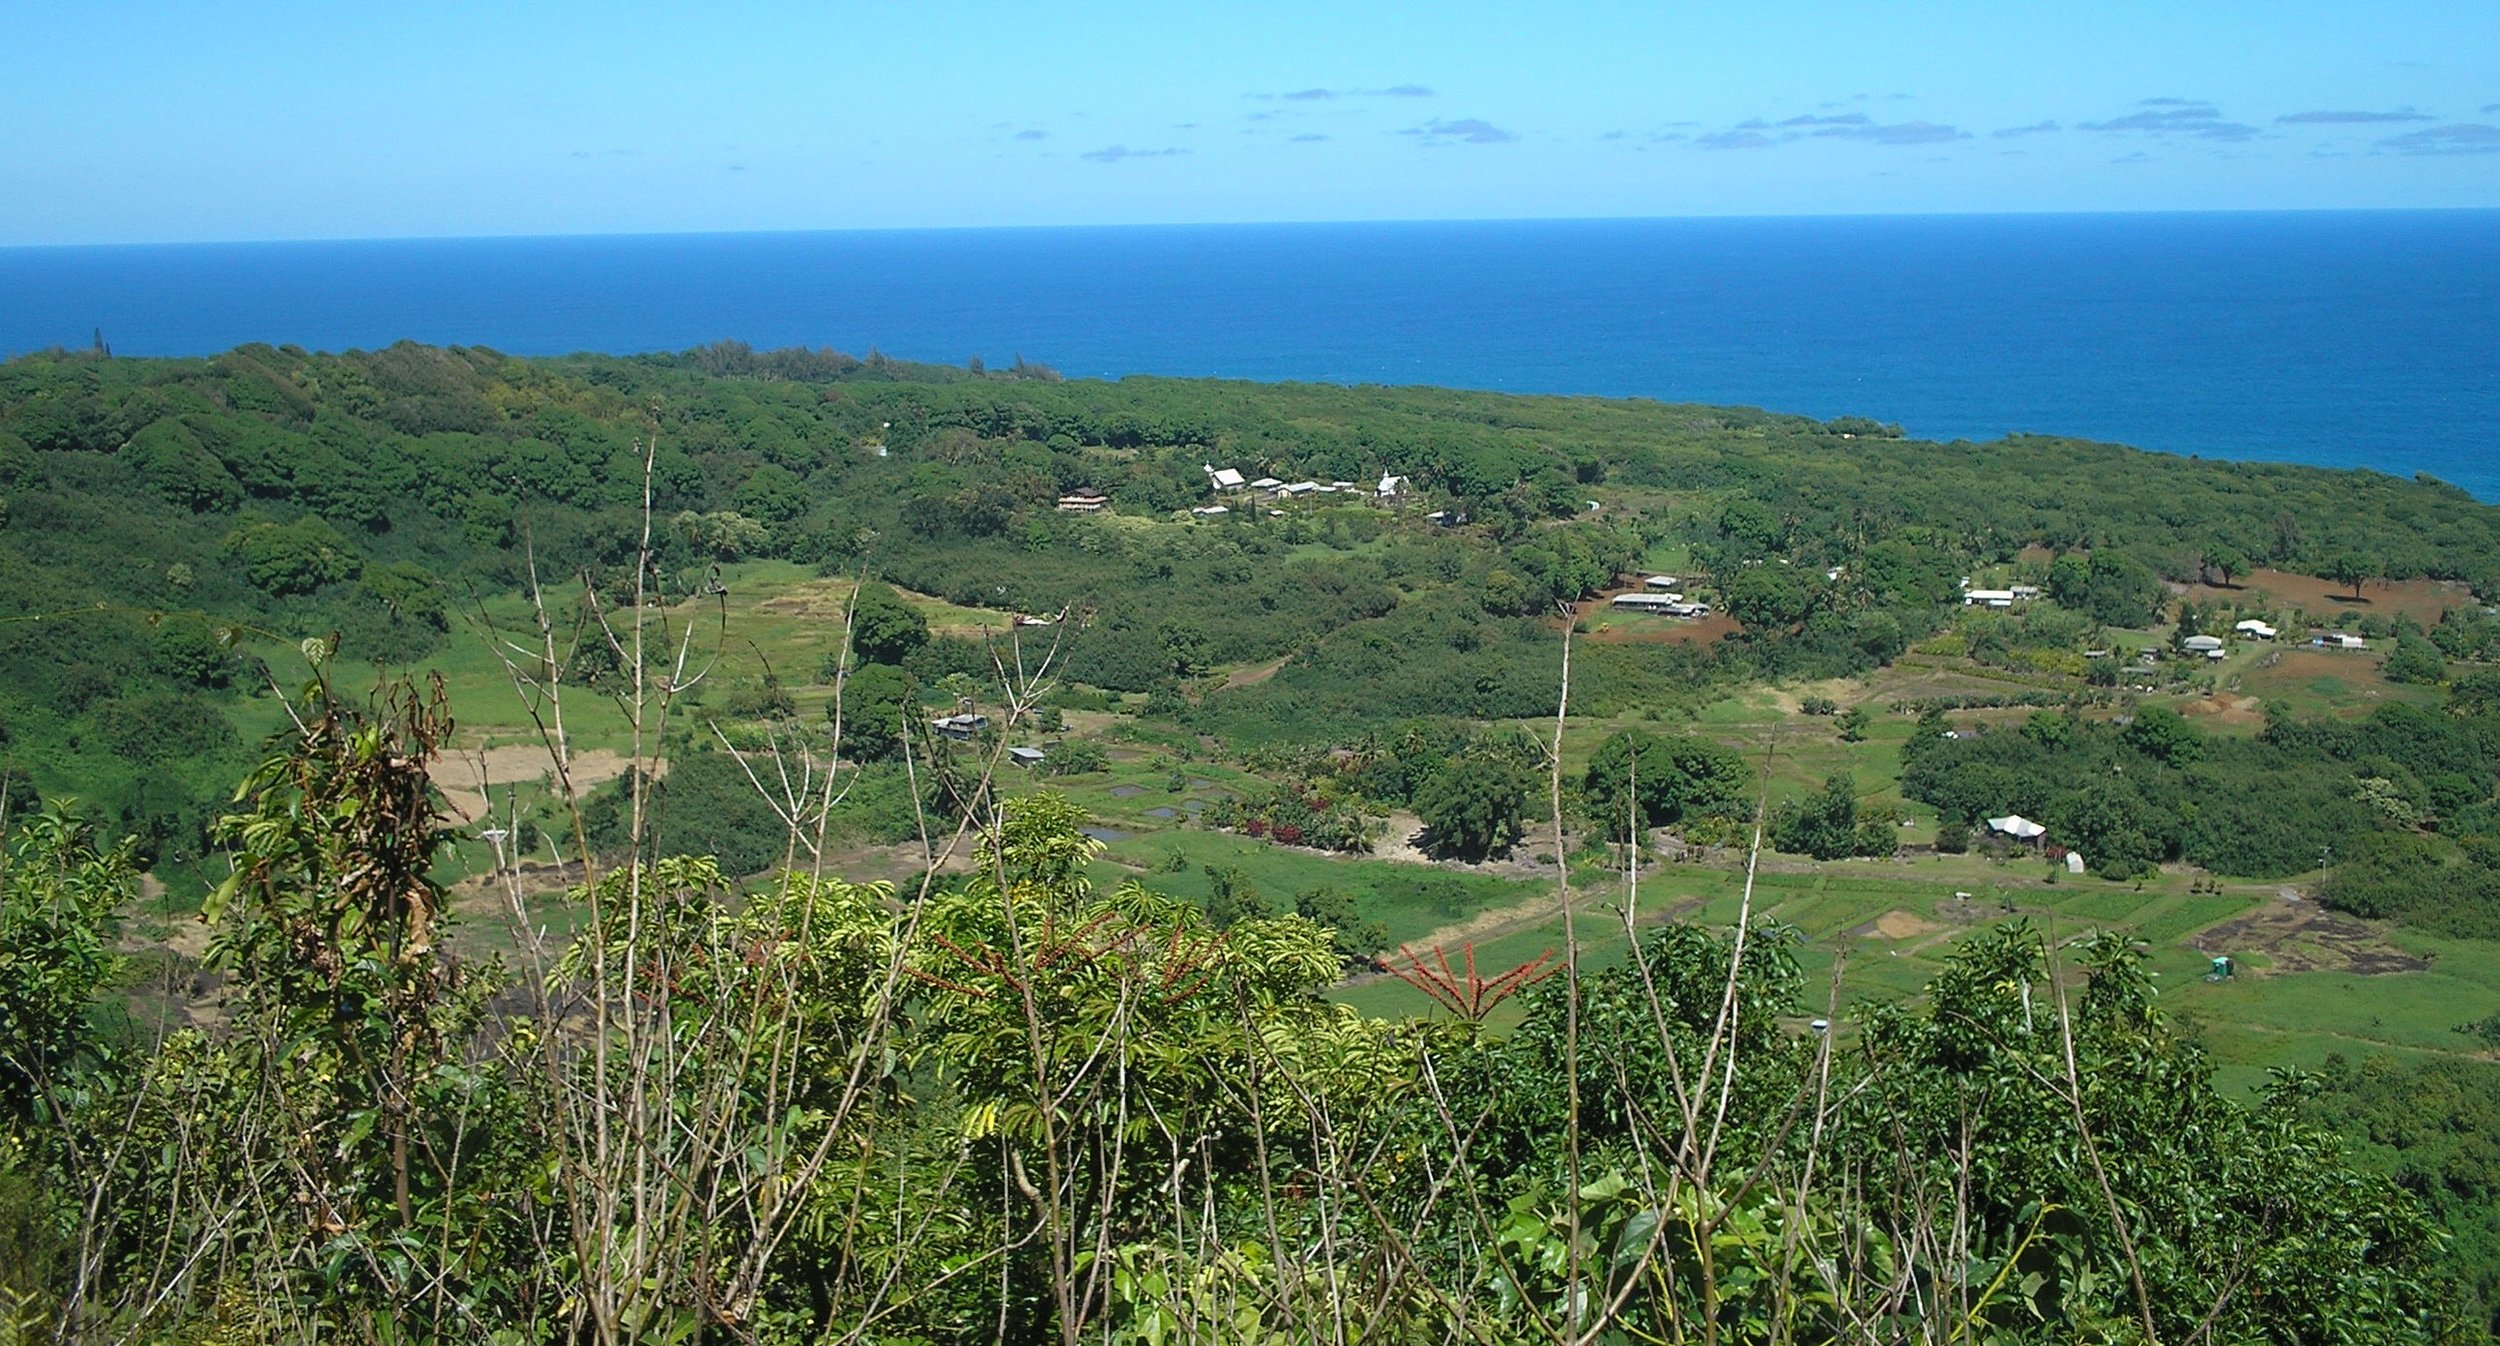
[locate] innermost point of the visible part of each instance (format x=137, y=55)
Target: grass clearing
x=1409, y=901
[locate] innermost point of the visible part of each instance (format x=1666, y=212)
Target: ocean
x=2350, y=339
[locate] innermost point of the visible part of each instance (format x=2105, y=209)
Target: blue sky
x=130, y=122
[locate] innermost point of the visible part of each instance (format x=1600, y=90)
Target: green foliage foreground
x=1029, y=1110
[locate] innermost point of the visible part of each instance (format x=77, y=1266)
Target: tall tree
x=884, y=628
x=1474, y=807
x=2221, y=558
x=2352, y=569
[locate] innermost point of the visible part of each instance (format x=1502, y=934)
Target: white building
x=1662, y=581
x=1648, y=602
x=1987, y=598
x=1225, y=478
x=2256, y=630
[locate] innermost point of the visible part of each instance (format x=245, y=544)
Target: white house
x=1225, y=478
x=2338, y=640
x=1298, y=488
x=1209, y=511
x=2255, y=629
x=1024, y=756
x=1673, y=605
x=2209, y=646
x=1390, y=486
x=1084, y=502
x=1987, y=598
x=1265, y=484
x=1662, y=581
x=2017, y=826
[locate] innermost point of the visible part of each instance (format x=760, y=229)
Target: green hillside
x=1311, y=730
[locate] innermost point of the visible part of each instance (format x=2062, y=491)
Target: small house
x=1027, y=757
x=1662, y=582
x=2208, y=646
x=1225, y=478
x=2255, y=630
x=1209, y=511
x=2339, y=640
x=1265, y=484
x=1390, y=487
x=1298, y=488
x=2018, y=827
x=1637, y=602
x=1084, y=502
x=961, y=727
x=1987, y=598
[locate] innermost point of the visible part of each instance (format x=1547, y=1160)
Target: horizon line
x=519, y=237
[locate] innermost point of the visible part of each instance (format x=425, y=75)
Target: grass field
x=1882, y=928
x=1885, y=929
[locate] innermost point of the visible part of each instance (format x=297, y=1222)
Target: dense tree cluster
x=2402, y=796
x=273, y=495
x=2435, y=1126
x=798, y=1109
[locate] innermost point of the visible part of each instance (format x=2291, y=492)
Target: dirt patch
x=1897, y=925
x=1918, y=676
x=1399, y=833
x=903, y=864
x=820, y=600
x=2297, y=935
x=2423, y=600
x=1641, y=629
x=465, y=774
x=185, y=934
x=2288, y=670
x=1401, y=839
x=2227, y=709
x=828, y=601
x=1254, y=674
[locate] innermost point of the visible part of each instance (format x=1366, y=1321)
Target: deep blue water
x=2355, y=338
